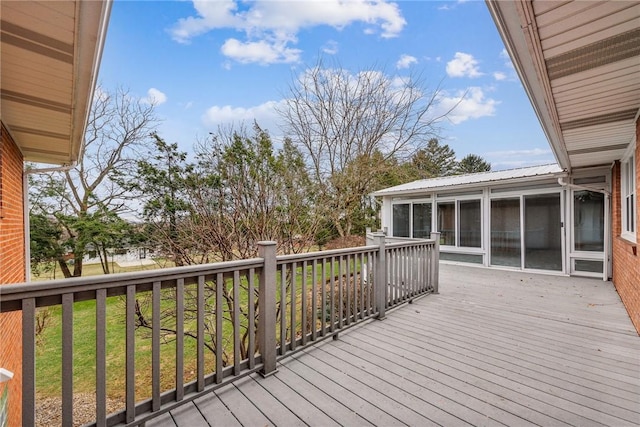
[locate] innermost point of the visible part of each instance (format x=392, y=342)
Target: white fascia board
x=516, y=25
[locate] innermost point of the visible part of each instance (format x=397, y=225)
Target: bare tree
x=241, y=191
x=86, y=197
x=245, y=191
x=342, y=121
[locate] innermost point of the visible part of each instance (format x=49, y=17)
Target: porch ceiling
x=50, y=56
x=580, y=65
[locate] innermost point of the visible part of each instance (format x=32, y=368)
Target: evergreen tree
x=472, y=163
x=434, y=160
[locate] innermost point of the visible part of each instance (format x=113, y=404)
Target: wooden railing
x=241, y=317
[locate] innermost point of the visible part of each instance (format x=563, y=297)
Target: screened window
x=470, y=226
x=588, y=221
x=447, y=223
x=422, y=220
x=401, y=220
x=628, y=196
x=412, y=220
x=460, y=224
x=505, y=232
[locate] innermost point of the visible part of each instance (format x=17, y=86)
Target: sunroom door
x=543, y=232
x=505, y=232
x=589, y=217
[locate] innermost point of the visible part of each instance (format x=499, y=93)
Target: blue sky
x=208, y=63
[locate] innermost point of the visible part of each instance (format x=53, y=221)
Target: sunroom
x=536, y=218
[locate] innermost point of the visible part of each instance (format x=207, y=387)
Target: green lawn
x=49, y=352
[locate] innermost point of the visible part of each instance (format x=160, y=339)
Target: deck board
x=330, y=404
x=241, y=407
x=215, y=412
x=164, y=420
x=534, y=363
x=480, y=375
x=493, y=348
x=328, y=384
x=287, y=394
x=188, y=415
x=467, y=348
x=382, y=394
x=272, y=408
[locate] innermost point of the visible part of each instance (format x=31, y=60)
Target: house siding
x=12, y=266
x=625, y=258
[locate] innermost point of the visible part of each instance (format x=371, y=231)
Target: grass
x=54, y=272
x=49, y=351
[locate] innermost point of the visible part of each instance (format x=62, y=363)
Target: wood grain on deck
x=493, y=348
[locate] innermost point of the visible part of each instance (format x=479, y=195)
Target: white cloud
x=261, y=52
x=272, y=26
x=265, y=114
x=463, y=65
x=498, y=75
x=451, y=6
x=330, y=47
x=155, y=97
x=471, y=104
x=406, y=61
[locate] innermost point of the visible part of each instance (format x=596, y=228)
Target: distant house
x=125, y=255
x=580, y=65
x=50, y=57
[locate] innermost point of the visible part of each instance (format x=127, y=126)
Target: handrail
x=267, y=307
x=327, y=253
x=12, y=294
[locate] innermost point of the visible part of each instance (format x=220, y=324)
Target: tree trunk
x=64, y=267
x=77, y=264
x=104, y=259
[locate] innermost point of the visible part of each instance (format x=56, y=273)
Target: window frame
x=411, y=203
x=628, y=195
x=456, y=202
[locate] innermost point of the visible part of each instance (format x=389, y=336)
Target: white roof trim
x=523, y=47
x=474, y=180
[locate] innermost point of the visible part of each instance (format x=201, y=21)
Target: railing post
x=267, y=308
x=380, y=278
x=435, y=261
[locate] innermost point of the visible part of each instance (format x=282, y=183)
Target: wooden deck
x=493, y=348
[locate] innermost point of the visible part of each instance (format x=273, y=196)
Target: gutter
x=25, y=208
x=563, y=183
x=516, y=24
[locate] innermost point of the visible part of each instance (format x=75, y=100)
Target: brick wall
x=12, y=266
x=626, y=259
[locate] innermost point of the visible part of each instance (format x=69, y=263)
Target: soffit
x=50, y=53
x=580, y=64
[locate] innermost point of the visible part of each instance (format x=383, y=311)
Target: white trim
x=5, y=375
x=628, y=190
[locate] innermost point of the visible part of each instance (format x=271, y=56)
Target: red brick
x=12, y=266
x=625, y=257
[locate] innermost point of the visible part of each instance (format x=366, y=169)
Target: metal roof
x=473, y=180
x=580, y=64
x=50, y=56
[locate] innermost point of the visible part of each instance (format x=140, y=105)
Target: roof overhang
x=50, y=56
x=580, y=65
